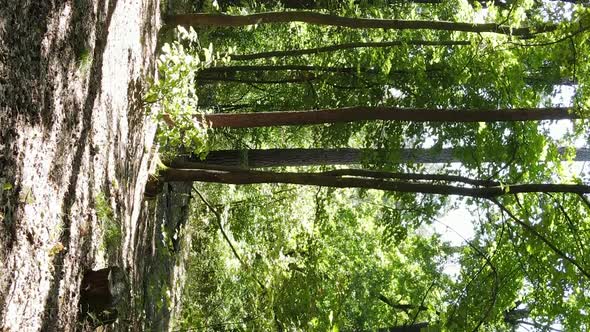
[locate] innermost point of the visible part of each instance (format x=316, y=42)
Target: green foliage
x=84, y=60
x=321, y=260
x=324, y=256
x=111, y=228
x=182, y=126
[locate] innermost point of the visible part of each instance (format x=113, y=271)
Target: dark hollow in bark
x=100, y=292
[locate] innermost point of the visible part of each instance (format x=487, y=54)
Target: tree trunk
x=304, y=73
x=224, y=72
x=259, y=68
x=313, y=157
x=222, y=20
x=404, y=307
x=418, y=327
x=203, y=79
x=314, y=4
x=354, y=114
x=238, y=176
x=347, y=46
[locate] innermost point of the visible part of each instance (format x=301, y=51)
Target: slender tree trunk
x=238, y=176
x=346, y=46
x=290, y=73
x=259, y=68
x=314, y=4
x=404, y=307
x=304, y=73
x=229, y=78
x=313, y=157
x=360, y=113
x=294, y=73
x=225, y=72
x=222, y=20
x=418, y=327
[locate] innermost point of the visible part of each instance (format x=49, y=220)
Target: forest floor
x=75, y=151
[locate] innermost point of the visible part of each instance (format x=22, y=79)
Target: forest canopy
x=326, y=140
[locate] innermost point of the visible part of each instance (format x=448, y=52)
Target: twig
x=570, y=223
x=571, y=35
x=421, y=307
x=584, y=200
x=542, y=238
x=410, y=176
x=233, y=249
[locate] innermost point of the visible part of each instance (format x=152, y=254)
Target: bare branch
x=540, y=236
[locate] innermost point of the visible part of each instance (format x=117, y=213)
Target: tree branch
x=202, y=19
x=235, y=175
x=410, y=176
x=534, y=232
x=233, y=249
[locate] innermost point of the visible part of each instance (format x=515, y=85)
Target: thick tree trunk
x=237, y=176
x=314, y=157
x=353, y=114
x=222, y=20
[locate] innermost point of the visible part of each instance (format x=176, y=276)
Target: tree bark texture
x=360, y=113
x=253, y=177
x=257, y=158
x=222, y=20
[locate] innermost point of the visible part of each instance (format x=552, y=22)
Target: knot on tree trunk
x=101, y=291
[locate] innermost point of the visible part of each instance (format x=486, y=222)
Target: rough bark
x=313, y=157
x=360, y=113
x=222, y=20
x=238, y=176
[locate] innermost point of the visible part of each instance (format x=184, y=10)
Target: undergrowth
x=111, y=228
x=172, y=98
